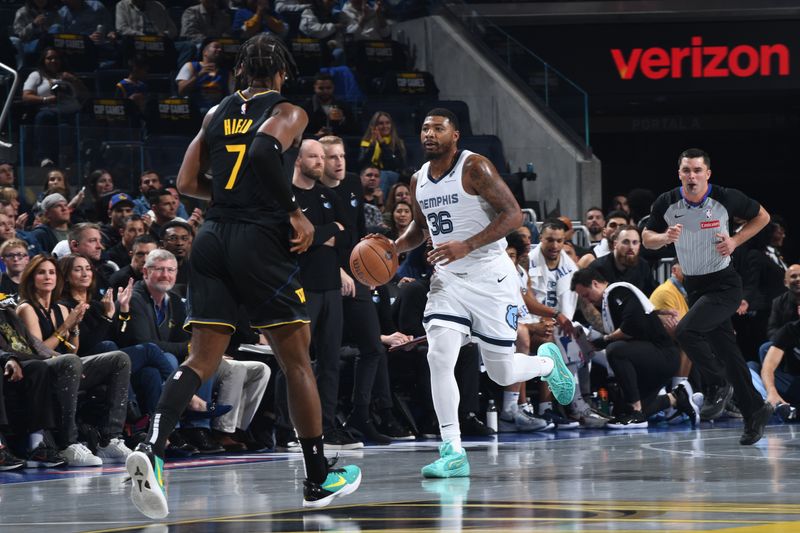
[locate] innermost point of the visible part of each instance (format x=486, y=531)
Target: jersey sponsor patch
x=709, y=224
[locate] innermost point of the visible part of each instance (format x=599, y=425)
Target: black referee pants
x=706, y=333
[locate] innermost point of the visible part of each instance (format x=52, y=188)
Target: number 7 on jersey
x=239, y=149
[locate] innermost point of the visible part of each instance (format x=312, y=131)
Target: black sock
x=178, y=391
x=316, y=465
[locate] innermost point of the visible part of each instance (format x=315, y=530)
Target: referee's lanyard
x=161, y=312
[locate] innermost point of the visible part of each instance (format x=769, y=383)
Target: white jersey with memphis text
x=455, y=215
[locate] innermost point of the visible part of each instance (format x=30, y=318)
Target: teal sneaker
x=449, y=464
x=560, y=380
x=340, y=482
x=147, y=475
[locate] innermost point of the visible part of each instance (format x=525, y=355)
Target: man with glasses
x=177, y=237
x=14, y=255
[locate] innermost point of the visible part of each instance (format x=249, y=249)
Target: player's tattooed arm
x=415, y=233
x=482, y=179
x=191, y=176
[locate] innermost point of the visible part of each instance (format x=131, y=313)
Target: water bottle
x=491, y=415
x=602, y=395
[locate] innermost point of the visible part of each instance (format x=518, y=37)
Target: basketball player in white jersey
x=459, y=198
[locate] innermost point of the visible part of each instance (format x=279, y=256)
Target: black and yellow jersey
x=237, y=193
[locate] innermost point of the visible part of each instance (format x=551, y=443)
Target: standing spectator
x=55, y=226
x=32, y=22
x=55, y=94
x=205, y=82
x=206, y=20
x=364, y=21
x=144, y=17
x=382, y=147
x=256, y=16
x=326, y=114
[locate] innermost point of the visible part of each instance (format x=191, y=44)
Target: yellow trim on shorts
x=190, y=322
x=299, y=321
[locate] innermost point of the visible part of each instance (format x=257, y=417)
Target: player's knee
x=500, y=372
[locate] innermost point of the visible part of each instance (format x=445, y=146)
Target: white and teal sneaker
x=560, y=379
x=147, y=476
x=449, y=464
x=340, y=482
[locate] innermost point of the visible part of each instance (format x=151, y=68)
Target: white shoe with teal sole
x=560, y=380
x=449, y=464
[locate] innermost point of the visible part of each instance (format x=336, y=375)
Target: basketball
x=373, y=261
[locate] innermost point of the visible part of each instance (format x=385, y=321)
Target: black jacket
x=141, y=328
x=784, y=310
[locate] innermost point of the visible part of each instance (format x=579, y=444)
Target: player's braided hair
x=263, y=56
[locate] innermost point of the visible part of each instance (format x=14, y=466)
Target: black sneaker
x=715, y=402
x=786, y=412
x=339, y=482
x=341, y=439
x=8, y=461
x=552, y=416
x=685, y=404
x=392, y=428
x=473, y=427
x=366, y=430
x=755, y=424
x=201, y=439
x=632, y=420
x=44, y=457
x=251, y=442
x=178, y=448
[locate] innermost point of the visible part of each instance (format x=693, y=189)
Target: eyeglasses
x=16, y=256
x=161, y=270
x=176, y=238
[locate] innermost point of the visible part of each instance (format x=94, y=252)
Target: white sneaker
x=518, y=420
x=115, y=452
x=79, y=455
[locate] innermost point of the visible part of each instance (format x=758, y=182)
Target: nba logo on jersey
x=244, y=108
x=709, y=214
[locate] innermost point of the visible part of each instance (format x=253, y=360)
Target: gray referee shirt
x=696, y=247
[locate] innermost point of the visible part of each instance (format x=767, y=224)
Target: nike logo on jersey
x=501, y=279
x=678, y=216
x=304, y=209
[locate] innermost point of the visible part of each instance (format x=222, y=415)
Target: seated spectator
x=256, y=16
x=177, y=237
x=8, y=179
x=619, y=202
x=291, y=6
x=786, y=307
x=595, y=222
x=399, y=192
x=615, y=219
x=638, y=348
x=401, y=218
x=366, y=22
x=87, y=17
x=205, y=82
x=57, y=332
x=55, y=222
x=164, y=208
x=382, y=147
x=120, y=207
x=14, y=255
x=144, y=17
x=55, y=182
x=134, y=86
x=100, y=184
x=120, y=253
x=26, y=406
x=624, y=263
x=148, y=181
x=85, y=239
x=55, y=94
x=373, y=197
x=142, y=245
x=780, y=371
x=318, y=21
x=7, y=230
x=207, y=20
x=32, y=22
x=326, y=114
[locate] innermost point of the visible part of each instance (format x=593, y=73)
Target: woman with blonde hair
x=382, y=147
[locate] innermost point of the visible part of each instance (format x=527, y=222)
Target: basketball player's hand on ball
x=448, y=252
x=303, y=232
x=673, y=232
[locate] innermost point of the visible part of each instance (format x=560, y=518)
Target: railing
x=559, y=93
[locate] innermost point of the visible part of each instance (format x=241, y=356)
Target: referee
x=697, y=217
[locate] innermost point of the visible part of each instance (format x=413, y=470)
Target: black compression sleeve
x=265, y=160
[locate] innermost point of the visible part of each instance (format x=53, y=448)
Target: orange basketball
x=373, y=261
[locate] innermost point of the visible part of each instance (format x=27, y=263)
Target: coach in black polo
x=697, y=218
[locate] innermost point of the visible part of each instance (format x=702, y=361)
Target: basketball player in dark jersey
x=244, y=255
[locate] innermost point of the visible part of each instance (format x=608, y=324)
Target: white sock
x=35, y=439
x=443, y=347
x=678, y=380
x=510, y=400
x=544, y=406
x=507, y=369
x=455, y=443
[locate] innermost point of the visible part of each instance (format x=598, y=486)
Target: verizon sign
x=701, y=60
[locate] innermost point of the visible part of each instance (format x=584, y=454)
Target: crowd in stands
x=94, y=278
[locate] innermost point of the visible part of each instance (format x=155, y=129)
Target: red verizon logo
x=698, y=61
